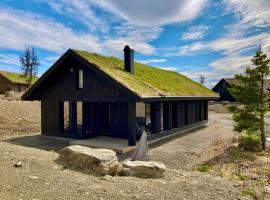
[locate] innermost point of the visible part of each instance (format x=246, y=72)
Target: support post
x=73, y=117
x=205, y=110
x=61, y=116
x=155, y=117
x=131, y=114
x=167, y=115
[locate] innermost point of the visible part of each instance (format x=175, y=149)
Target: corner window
x=80, y=79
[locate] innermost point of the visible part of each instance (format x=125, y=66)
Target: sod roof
x=147, y=81
x=16, y=77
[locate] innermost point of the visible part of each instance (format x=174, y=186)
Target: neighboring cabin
x=225, y=83
x=10, y=81
x=85, y=95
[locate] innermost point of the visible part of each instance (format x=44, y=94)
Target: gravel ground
x=42, y=178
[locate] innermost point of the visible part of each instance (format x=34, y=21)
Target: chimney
x=129, y=59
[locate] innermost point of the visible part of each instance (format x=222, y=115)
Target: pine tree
x=253, y=94
x=29, y=64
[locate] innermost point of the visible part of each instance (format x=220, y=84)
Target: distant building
x=223, y=85
x=10, y=81
x=86, y=95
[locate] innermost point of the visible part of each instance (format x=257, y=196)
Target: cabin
x=86, y=95
x=10, y=81
x=222, y=88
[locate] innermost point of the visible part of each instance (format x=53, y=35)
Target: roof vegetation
x=147, y=81
x=16, y=77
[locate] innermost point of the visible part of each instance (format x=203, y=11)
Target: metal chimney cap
x=127, y=48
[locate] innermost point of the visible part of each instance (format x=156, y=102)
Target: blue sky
x=211, y=38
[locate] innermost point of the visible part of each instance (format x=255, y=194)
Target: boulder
x=143, y=169
x=102, y=161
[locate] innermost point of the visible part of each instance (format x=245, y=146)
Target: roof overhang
x=178, y=98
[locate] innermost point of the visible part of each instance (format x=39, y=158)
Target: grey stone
x=102, y=161
x=143, y=169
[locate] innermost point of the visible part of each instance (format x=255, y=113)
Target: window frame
x=80, y=79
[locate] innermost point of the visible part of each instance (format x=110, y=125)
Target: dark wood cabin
x=11, y=81
x=222, y=88
x=85, y=95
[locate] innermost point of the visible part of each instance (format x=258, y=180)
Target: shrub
x=243, y=178
x=204, y=168
x=250, y=142
x=249, y=192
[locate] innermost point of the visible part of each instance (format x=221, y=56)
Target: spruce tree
x=253, y=94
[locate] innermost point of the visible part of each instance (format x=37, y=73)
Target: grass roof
x=16, y=77
x=147, y=81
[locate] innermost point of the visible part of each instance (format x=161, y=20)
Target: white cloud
x=231, y=64
x=116, y=45
x=83, y=11
x=195, y=32
x=9, y=59
x=226, y=45
x=43, y=33
x=251, y=13
x=153, y=12
x=162, y=60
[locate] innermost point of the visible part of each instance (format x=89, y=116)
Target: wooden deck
x=118, y=145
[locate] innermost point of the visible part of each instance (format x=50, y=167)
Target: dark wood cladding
x=178, y=114
x=222, y=88
x=106, y=108
x=155, y=117
x=63, y=84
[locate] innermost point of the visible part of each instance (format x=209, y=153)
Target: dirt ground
x=41, y=177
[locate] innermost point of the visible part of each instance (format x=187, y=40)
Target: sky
x=213, y=38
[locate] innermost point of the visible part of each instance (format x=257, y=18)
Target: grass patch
x=243, y=178
x=249, y=192
x=204, y=168
x=16, y=77
x=146, y=80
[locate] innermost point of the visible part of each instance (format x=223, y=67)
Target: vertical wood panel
x=155, y=117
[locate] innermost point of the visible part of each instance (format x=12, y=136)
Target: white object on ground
x=141, y=152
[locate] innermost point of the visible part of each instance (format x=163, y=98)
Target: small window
x=80, y=80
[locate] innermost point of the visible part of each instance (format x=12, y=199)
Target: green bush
x=204, y=168
x=249, y=192
x=250, y=142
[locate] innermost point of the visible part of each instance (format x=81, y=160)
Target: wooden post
x=205, y=110
x=167, y=115
x=61, y=116
x=131, y=114
x=73, y=117
x=155, y=117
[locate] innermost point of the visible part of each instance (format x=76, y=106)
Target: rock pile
x=105, y=162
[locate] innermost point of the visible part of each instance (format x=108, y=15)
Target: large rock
x=102, y=161
x=143, y=169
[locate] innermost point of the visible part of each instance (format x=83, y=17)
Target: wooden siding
x=6, y=85
x=50, y=124
x=63, y=84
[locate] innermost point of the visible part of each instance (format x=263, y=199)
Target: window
x=80, y=79
x=66, y=116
